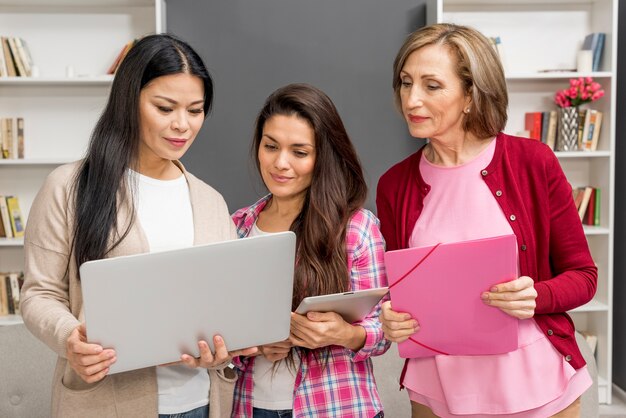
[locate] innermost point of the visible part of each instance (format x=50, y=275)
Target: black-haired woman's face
x=287, y=156
x=170, y=113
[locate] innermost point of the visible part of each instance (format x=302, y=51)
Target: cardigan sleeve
x=45, y=304
x=386, y=215
x=574, y=278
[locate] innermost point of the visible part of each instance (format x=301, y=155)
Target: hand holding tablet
x=352, y=306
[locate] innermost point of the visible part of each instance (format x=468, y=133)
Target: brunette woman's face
x=287, y=156
x=171, y=113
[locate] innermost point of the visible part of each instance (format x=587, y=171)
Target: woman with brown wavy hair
x=308, y=164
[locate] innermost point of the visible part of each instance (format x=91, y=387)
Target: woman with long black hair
x=129, y=195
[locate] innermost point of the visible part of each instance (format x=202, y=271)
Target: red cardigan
x=529, y=185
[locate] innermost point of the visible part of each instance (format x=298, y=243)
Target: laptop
x=151, y=308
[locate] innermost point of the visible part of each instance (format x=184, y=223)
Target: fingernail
x=493, y=289
x=484, y=296
x=218, y=339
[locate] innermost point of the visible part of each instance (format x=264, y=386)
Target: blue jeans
x=201, y=412
x=270, y=413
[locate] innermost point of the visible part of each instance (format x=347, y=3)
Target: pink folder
x=440, y=286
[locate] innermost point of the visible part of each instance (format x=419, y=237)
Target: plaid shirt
x=346, y=386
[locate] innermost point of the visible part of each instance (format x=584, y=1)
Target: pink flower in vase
x=581, y=90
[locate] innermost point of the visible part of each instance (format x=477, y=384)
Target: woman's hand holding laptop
x=222, y=356
x=90, y=361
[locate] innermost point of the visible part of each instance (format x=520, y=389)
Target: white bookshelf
x=60, y=112
x=539, y=35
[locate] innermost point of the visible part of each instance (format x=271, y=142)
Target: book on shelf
x=4, y=217
x=590, y=141
x=545, y=122
x=588, y=217
x=24, y=54
x=532, y=123
x=15, y=216
x=120, y=57
x=585, y=131
x=3, y=232
x=587, y=200
x=3, y=63
x=4, y=297
x=10, y=286
x=596, y=217
x=584, y=202
x=594, y=42
x=19, y=65
x=581, y=126
x=11, y=138
x=7, y=137
x=551, y=133
x=16, y=59
x=20, y=138
x=8, y=57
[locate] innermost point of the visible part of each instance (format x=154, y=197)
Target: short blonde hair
x=479, y=69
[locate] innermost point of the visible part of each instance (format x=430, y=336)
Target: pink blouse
x=534, y=380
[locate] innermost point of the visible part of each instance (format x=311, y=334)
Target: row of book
x=11, y=138
x=543, y=126
x=587, y=200
x=10, y=286
x=11, y=220
x=15, y=59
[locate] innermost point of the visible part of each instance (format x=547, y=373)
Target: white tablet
x=352, y=306
x=151, y=308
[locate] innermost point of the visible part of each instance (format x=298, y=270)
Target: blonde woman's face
x=431, y=94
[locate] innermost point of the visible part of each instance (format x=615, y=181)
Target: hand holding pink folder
x=440, y=286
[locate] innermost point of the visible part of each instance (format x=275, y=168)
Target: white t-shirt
x=165, y=215
x=272, y=389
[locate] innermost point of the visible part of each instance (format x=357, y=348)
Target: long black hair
x=99, y=186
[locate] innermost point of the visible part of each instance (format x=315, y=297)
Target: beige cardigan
x=52, y=301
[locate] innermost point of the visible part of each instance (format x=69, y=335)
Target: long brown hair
x=337, y=190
